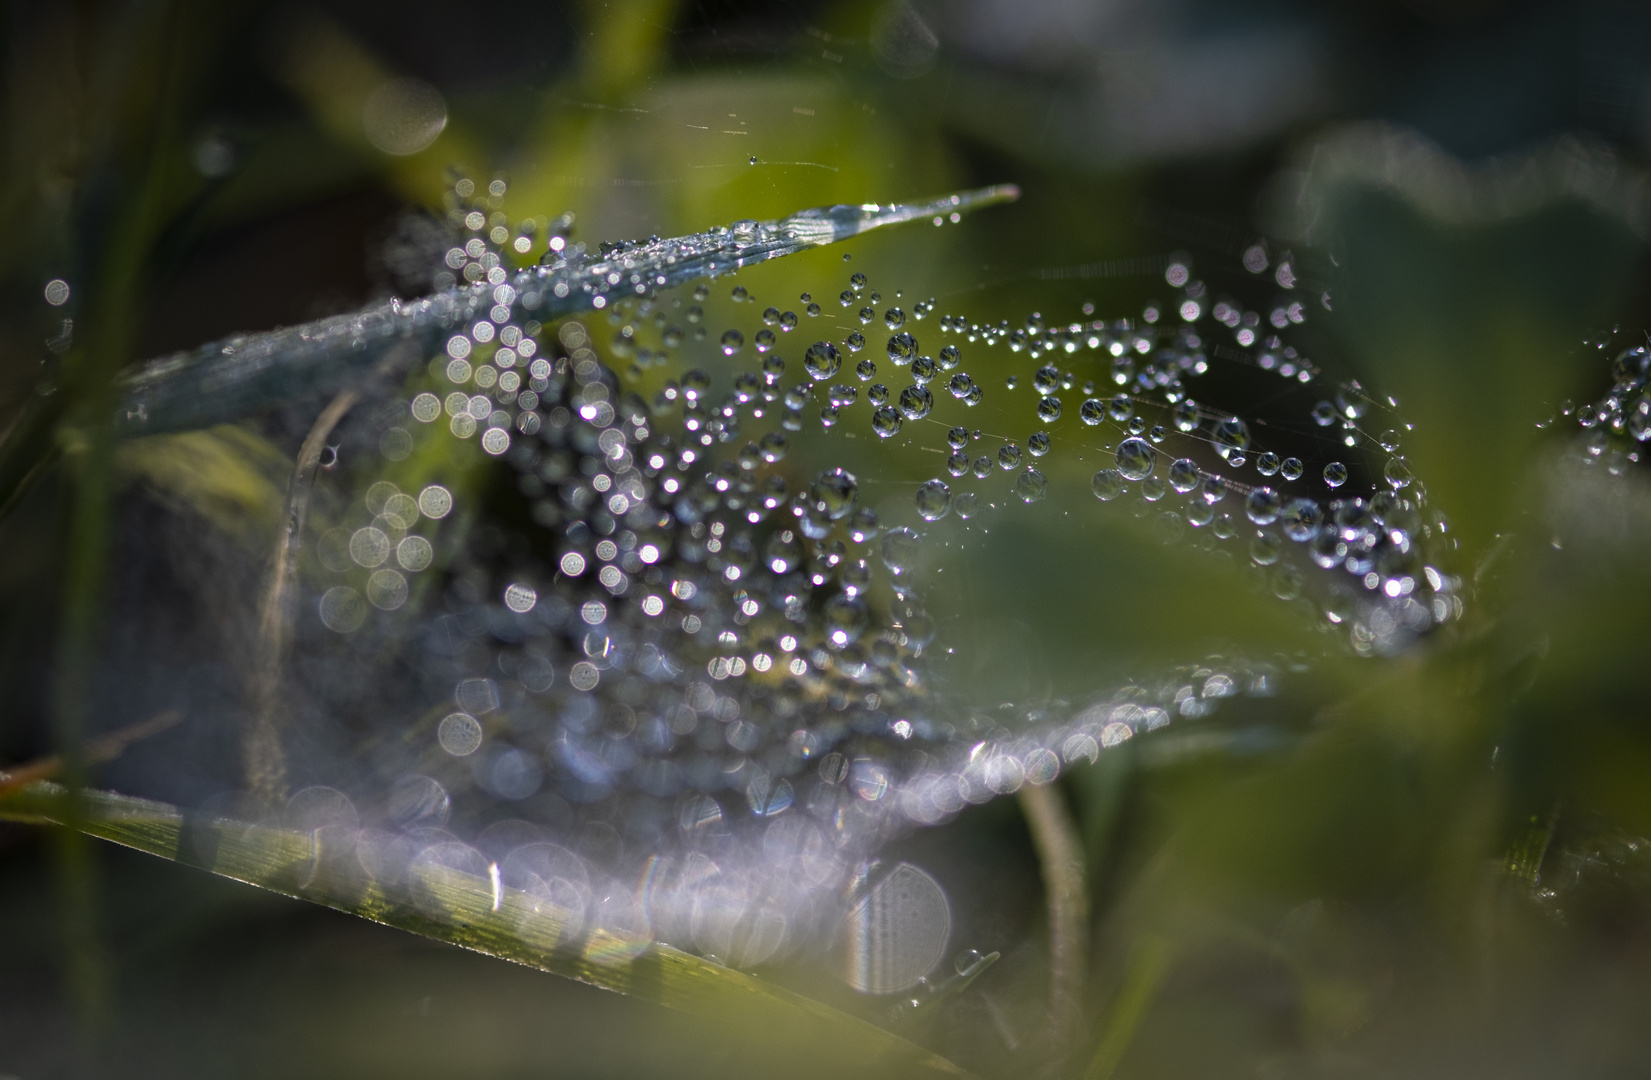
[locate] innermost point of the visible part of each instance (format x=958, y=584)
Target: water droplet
x=1232, y=437
x=949, y=357
x=1214, y=489
x=960, y=385
x=1291, y=468
x=894, y=318
x=899, y=549
x=1263, y=505
x=1135, y=458
x=1031, y=485
x=773, y=447
x=834, y=493
x=1352, y=402
x=902, y=348
x=1324, y=414
x=916, y=402
x=1397, y=473
x=822, y=360
x=1008, y=456
x=923, y=370
x=1037, y=443
x=886, y=421
x=855, y=341
x=1185, y=415
x=732, y=342
x=1267, y=463
x=739, y=293
x=1092, y=412
x=1183, y=475
x=1264, y=548
x=857, y=282
x=1107, y=485
x=1335, y=474
x=958, y=463
x=1049, y=409
x=1046, y=380
x=934, y=500
x=957, y=438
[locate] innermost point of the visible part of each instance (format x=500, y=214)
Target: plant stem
x=263, y=757
x=1060, y=855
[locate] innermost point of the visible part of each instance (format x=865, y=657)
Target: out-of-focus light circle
x=403, y=116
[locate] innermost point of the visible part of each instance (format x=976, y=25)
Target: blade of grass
x=480, y=914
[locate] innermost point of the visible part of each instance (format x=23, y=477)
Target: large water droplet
x=1135, y=458
x=934, y=500
x=899, y=549
x=916, y=402
x=902, y=348
x=1031, y=485
x=822, y=360
x=834, y=493
x=1183, y=475
x=1263, y=505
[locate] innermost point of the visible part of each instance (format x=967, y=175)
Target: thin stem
x=96, y=751
x=1060, y=855
x=264, y=759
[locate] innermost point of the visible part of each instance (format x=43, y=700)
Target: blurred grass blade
x=485, y=916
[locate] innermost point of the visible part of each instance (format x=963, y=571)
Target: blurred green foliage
x=1435, y=864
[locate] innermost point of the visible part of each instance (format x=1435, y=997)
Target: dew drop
x=1335, y=474
x=902, y=348
x=834, y=493
x=732, y=342
x=1107, y=485
x=1300, y=519
x=1262, y=507
x=1135, y=458
x=822, y=360
x=899, y=549
x=934, y=500
x=916, y=402
x=1183, y=475
x=1031, y=486
x=1397, y=473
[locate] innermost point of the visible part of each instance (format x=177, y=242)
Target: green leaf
x=479, y=914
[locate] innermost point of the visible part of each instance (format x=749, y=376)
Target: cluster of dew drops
x=1145, y=365
x=688, y=623
x=693, y=647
